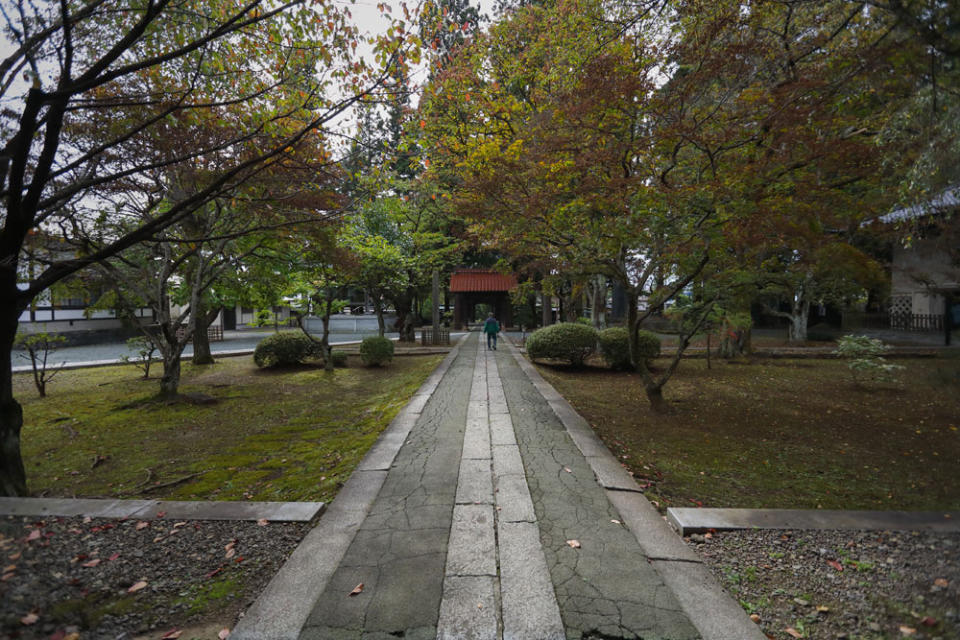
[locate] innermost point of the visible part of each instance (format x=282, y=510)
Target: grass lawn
x=253, y=434
x=782, y=433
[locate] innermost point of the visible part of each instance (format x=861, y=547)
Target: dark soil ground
x=783, y=433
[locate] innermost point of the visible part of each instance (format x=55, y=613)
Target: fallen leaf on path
x=575, y=544
x=30, y=618
x=214, y=572
x=230, y=545
x=822, y=609
x=14, y=556
x=34, y=535
x=929, y=621
x=616, y=522
x=567, y=469
x=793, y=633
x=6, y=576
x=230, y=553
x=113, y=557
x=173, y=634
x=941, y=582
x=907, y=631
x=755, y=617
x=92, y=563
x=143, y=524
x=140, y=585
x=357, y=590
x=160, y=514
x=224, y=634
x=87, y=520
x=9, y=568
x=263, y=522
x=836, y=565
x=179, y=524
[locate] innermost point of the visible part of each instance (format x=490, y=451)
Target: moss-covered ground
x=781, y=433
x=242, y=433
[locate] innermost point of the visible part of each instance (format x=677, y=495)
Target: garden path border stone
x=691, y=520
x=148, y=509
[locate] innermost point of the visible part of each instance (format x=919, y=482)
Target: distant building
x=474, y=287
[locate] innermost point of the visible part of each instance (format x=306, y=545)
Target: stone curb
x=689, y=520
x=170, y=509
x=711, y=610
x=283, y=607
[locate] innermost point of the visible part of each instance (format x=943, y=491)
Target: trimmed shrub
x=339, y=358
x=648, y=345
x=565, y=341
x=376, y=351
x=284, y=349
x=615, y=346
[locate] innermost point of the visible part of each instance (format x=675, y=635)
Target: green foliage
x=284, y=349
x=565, y=341
x=615, y=347
x=376, y=351
x=144, y=348
x=39, y=346
x=864, y=356
x=262, y=318
x=339, y=358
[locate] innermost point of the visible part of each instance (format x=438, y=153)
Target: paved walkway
x=488, y=510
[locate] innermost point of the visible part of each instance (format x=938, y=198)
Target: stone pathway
x=478, y=515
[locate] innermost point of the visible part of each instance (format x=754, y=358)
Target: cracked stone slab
x=513, y=499
x=475, y=484
x=605, y=586
x=469, y=609
x=192, y=509
x=529, y=605
x=400, y=550
x=506, y=460
x=472, y=550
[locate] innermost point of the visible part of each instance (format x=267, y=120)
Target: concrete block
x=507, y=460
x=475, y=484
x=657, y=539
x=610, y=474
x=529, y=604
x=468, y=610
x=714, y=613
x=513, y=499
x=501, y=429
x=472, y=549
x=689, y=521
x=476, y=441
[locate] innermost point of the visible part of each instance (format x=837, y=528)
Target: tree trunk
x=170, y=381
x=546, y=313
x=655, y=397
x=800, y=312
x=13, y=478
x=202, y=319
x=378, y=308
x=325, y=340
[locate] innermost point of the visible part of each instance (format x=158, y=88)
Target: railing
x=442, y=337
x=918, y=322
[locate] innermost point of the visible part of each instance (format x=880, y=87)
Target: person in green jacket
x=491, y=327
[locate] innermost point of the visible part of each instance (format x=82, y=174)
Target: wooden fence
x=214, y=333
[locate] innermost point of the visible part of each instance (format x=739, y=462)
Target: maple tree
x=103, y=81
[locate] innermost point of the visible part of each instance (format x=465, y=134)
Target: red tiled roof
x=467, y=280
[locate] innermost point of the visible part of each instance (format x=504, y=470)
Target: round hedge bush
x=376, y=351
x=339, y=358
x=568, y=341
x=615, y=346
x=284, y=349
